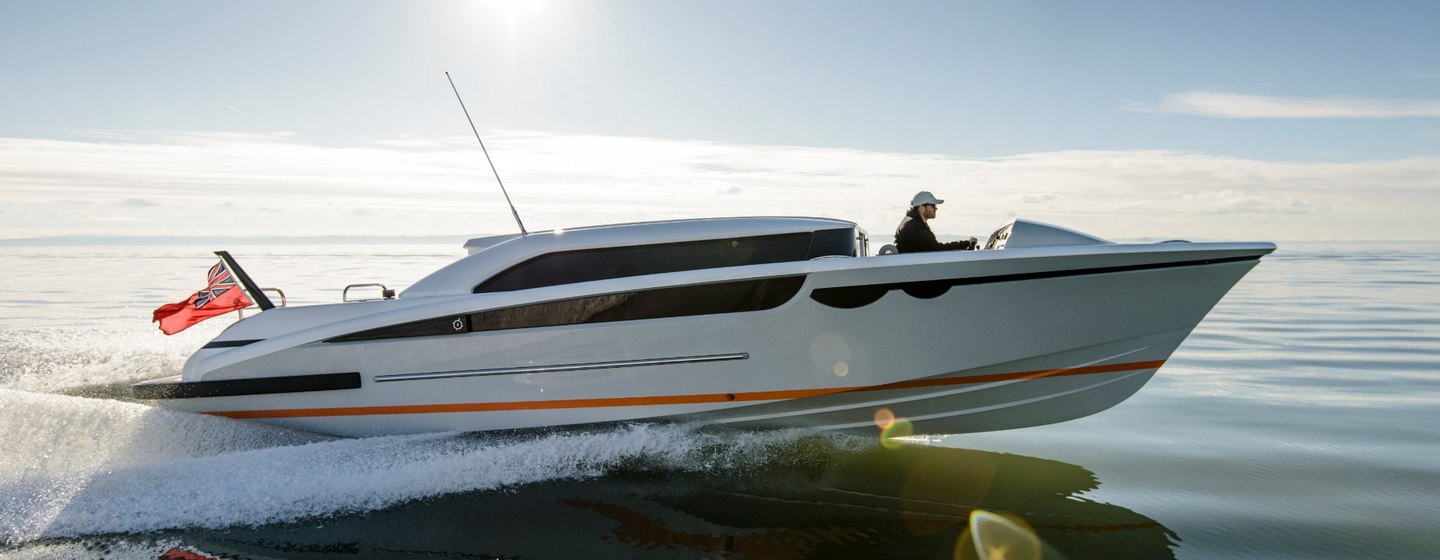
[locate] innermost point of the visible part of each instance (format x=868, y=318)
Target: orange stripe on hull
x=677, y=399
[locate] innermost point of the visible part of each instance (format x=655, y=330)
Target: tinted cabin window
x=619, y=262
x=830, y=242
x=682, y=301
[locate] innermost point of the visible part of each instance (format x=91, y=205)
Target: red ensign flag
x=221, y=296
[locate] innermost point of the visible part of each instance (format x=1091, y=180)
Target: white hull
x=1021, y=337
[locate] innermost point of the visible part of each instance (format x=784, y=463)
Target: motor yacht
x=757, y=322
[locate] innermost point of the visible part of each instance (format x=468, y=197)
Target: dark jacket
x=914, y=236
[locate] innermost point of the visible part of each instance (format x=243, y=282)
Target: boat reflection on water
x=816, y=498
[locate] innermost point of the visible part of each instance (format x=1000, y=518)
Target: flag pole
x=261, y=300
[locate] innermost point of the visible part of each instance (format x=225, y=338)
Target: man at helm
x=914, y=235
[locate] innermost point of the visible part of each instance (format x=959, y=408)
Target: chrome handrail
x=385, y=293
x=277, y=291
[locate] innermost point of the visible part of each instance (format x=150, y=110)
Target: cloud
x=232, y=108
x=1232, y=202
x=443, y=187
x=1246, y=106
x=137, y=203
x=1032, y=198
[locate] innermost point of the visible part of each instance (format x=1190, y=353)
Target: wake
x=80, y=466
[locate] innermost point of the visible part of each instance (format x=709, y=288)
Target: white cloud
x=1232, y=202
x=1032, y=198
x=235, y=184
x=1246, y=106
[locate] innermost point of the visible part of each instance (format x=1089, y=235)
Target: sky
x=1217, y=120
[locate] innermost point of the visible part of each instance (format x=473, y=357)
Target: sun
x=510, y=15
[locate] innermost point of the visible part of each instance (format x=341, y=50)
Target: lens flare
x=831, y=352
x=884, y=418
x=996, y=537
x=891, y=436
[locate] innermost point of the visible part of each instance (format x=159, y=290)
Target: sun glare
x=511, y=16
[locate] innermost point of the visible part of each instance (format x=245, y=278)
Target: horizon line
x=124, y=240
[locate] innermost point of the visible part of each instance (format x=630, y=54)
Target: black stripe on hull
x=228, y=343
x=257, y=386
x=851, y=297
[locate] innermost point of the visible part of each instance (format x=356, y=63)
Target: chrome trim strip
x=871, y=404
x=563, y=367
x=998, y=406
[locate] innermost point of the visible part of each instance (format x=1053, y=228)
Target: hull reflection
x=814, y=498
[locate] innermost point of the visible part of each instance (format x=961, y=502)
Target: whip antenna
x=487, y=155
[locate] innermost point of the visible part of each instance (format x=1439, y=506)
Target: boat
x=748, y=322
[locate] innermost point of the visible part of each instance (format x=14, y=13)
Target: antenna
x=487, y=155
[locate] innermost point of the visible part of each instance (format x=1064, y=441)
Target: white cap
x=924, y=197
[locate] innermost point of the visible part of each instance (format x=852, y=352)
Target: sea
x=1301, y=419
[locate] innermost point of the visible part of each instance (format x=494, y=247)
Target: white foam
x=57, y=358
x=115, y=550
x=55, y=446
x=84, y=466
x=76, y=466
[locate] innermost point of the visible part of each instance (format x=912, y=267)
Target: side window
x=661, y=303
x=834, y=242
x=602, y=264
x=684, y=301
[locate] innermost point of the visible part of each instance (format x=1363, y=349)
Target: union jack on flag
x=220, y=282
x=221, y=295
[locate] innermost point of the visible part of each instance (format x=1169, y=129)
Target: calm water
x=1298, y=421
